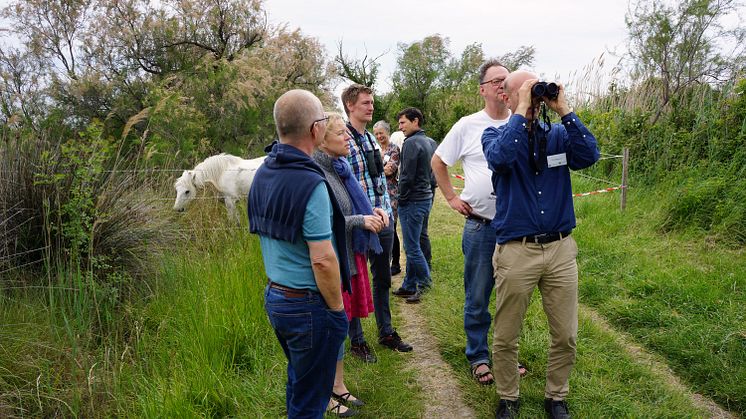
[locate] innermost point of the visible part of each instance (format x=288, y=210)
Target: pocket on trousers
x=296, y=329
x=472, y=226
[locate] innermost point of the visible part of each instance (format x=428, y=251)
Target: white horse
x=230, y=175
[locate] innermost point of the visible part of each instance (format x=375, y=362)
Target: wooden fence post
x=625, y=167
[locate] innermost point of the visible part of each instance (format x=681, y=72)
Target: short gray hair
x=383, y=124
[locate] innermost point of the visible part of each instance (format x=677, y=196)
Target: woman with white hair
x=390, y=151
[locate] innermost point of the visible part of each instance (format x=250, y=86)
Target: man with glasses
x=303, y=298
x=367, y=166
x=477, y=204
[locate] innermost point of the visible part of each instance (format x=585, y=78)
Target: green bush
x=69, y=206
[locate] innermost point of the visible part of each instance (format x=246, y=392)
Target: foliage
x=63, y=207
x=680, y=45
x=362, y=71
x=442, y=86
x=215, y=66
x=678, y=294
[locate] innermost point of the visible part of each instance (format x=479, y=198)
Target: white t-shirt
x=464, y=142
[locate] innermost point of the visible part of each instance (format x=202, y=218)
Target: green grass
x=679, y=294
x=678, y=299
x=206, y=347
x=198, y=343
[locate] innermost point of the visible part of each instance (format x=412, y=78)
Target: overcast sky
x=567, y=35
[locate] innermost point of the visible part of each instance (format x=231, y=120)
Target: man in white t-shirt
x=477, y=204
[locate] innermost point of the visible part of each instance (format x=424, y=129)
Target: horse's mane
x=213, y=167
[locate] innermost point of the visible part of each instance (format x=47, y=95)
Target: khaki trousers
x=519, y=267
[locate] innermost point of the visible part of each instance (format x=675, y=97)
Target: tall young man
x=367, y=166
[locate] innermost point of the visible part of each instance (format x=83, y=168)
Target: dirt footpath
x=441, y=391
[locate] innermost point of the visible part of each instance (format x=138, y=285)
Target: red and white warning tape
x=598, y=191
x=574, y=195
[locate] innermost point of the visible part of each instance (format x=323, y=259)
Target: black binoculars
x=543, y=89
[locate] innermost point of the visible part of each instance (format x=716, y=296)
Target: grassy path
x=657, y=366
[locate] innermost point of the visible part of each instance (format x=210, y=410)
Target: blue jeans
x=478, y=245
x=425, y=239
x=412, y=216
x=310, y=335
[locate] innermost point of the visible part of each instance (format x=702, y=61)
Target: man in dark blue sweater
x=301, y=231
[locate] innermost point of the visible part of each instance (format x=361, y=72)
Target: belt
x=479, y=219
x=290, y=292
x=543, y=238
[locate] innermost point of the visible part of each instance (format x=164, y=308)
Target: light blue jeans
x=478, y=245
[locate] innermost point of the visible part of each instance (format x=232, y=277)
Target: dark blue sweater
x=279, y=195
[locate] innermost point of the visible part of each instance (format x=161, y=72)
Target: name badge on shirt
x=557, y=160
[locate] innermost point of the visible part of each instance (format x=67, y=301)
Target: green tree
x=676, y=46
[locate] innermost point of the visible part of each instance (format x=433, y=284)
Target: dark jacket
x=416, y=178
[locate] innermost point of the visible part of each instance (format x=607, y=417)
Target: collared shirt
x=360, y=169
x=535, y=202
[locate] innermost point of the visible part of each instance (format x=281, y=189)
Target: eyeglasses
x=495, y=82
x=325, y=119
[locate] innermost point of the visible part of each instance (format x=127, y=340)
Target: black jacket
x=416, y=178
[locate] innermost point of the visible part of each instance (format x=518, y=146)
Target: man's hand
x=461, y=206
x=383, y=214
x=373, y=223
x=559, y=104
x=524, y=99
x=440, y=169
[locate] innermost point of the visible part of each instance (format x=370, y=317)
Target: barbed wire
x=610, y=158
x=15, y=255
x=22, y=266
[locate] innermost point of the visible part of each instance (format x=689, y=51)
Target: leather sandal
x=336, y=410
x=480, y=375
x=347, y=399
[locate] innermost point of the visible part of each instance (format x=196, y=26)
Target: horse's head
x=185, y=190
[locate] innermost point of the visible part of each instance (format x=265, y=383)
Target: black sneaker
x=395, y=270
x=362, y=351
x=556, y=409
x=507, y=409
x=414, y=298
x=394, y=342
x=401, y=292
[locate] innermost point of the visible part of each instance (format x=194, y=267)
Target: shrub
x=69, y=206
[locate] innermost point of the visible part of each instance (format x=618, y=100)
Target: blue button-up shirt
x=534, y=202
x=360, y=170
